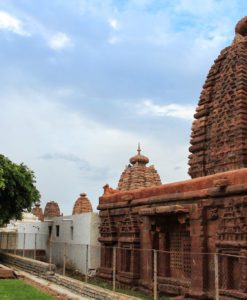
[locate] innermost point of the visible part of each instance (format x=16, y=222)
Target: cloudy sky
x=83, y=81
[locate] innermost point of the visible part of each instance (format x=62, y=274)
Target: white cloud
x=71, y=153
x=196, y=6
x=45, y=128
x=113, y=23
x=60, y=41
x=115, y=40
x=12, y=24
x=169, y=110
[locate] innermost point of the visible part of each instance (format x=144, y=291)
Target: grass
x=107, y=285
x=14, y=289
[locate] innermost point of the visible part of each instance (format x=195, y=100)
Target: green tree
x=17, y=190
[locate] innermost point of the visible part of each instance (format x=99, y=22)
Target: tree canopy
x=17, y=189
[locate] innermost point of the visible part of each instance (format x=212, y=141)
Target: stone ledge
x=191, y=189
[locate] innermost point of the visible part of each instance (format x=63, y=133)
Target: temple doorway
x=171, y=238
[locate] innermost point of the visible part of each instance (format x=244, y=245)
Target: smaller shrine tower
x=37, y=211
x=82, y=205
x=137, y=175
x=51, y=210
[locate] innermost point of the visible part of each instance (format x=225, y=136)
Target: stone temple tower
x=137, y=175
x=82, y=205
x=219, y=132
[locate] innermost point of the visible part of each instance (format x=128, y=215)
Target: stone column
x=146, y=253
x=197, y=247
x=243, y=284
x=162, y=256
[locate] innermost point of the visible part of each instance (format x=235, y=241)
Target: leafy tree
x=17, y=189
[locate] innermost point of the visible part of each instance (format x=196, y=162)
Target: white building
x=72, y=239
x=75, y=237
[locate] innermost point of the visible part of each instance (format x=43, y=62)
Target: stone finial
x=139, y=149
x=139, y=158
x=241, y=27
x=51, y=210
x=82, y=205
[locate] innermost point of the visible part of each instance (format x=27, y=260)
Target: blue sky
x=82, y=82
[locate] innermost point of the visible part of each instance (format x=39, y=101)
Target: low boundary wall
x=30, y=265
x=42, y=269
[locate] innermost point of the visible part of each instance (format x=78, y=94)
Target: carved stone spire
x=137, y=174
x=82, y=205
x=37, y=211
x=219, y=135
x=51, y=210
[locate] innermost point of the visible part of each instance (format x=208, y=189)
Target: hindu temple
x=38, y=211
x=51, y=210
x=137, y=174
x=183, y=220
x=82, y=205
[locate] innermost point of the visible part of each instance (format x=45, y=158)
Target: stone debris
x=7, y=273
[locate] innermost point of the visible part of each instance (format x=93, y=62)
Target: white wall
x=94, y=253
x=85, y=236
x=28, y=232
x=21, y=235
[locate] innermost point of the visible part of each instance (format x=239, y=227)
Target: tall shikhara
x=219, y=132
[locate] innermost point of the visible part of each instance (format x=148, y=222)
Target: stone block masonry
x=27, y=264
x=219, y=135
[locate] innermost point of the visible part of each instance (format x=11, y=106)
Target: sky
x=83, y=81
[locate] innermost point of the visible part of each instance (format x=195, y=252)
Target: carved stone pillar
x=197, y=246
x=146, y=252
x=162, y=261
x=243, y=284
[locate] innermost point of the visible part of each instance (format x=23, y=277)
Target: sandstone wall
x=27, y=264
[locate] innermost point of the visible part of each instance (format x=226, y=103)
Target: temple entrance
x=171, y=238
x=106, y=256
x=179, y=247
x=229, y=272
